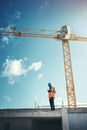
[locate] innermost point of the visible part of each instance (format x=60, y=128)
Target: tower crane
x=65, y=35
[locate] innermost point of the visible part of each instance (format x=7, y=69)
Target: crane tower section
x=71, y=97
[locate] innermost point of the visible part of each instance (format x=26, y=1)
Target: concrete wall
x=15, y=124
x=30, y=124
x=47, y=124
x=77, y=119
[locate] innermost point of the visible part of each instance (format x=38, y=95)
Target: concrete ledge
x=77, y=110
x=30, y=113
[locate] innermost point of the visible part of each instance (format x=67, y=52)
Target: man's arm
x=49, y=91
x=54, y=91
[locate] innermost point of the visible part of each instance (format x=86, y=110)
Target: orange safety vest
x=51, y=92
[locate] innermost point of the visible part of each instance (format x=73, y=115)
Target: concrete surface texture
x=43, y=119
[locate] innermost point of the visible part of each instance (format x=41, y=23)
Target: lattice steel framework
x=69, y=75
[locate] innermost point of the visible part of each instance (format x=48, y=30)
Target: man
x=51, y=95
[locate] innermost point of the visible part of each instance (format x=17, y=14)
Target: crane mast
x=64, y=35
x=71, y=97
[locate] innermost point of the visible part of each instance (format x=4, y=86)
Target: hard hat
x=49, y=84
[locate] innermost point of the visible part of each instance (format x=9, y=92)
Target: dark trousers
x=51, y=100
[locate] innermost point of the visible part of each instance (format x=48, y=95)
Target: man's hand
x=49, y=91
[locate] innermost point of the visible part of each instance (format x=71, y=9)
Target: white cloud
x=5, y=39
x=40, y=76
x=12, y=69
x=1, y=29
x=12, y=80
x=10, y=28
x=18, y=15
x=7, y=98
x=36, y=66
x=45, y=5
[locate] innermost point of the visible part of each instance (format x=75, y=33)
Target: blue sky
x=28, y=64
